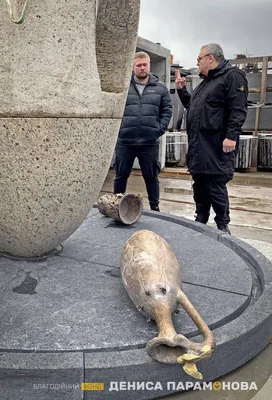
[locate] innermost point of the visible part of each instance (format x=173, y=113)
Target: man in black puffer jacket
x=216, y=112
x=146, y=117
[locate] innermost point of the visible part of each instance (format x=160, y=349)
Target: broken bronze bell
x=152, y=277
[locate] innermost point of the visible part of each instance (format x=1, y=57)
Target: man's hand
x=180, y=82
x=228, y=145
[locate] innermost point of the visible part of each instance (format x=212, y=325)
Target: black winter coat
x=216, y=110
x=145, y=117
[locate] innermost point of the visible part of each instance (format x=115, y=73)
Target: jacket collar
x=221, y=68
x=153, y=79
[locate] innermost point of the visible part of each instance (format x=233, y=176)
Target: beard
x=142, y=75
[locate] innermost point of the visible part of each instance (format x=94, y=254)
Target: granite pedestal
x=67, y=319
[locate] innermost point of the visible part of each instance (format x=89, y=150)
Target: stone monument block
x=64, y=76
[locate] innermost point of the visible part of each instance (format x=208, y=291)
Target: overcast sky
x=184, y=26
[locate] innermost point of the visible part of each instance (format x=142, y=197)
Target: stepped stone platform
x=67, y=319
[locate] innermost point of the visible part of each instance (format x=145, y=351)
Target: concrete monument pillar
x=64, y=74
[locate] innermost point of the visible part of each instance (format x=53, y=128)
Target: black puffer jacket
x=146, y=117
x=216, y=110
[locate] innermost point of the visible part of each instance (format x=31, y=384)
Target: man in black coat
x=216, y=111
x=146, y=117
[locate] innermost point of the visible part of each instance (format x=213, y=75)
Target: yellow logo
x=241, y=88
x=217, y=385
x=92, y=386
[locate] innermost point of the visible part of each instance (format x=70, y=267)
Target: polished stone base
x=67, y=319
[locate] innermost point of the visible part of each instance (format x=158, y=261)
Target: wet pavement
x=250, y=205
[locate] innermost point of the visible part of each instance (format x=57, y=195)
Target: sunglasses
x=200, y=58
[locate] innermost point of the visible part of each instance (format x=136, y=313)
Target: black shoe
x=224, y=228
x=200, y=221
x=203, y=219
x=155, y=208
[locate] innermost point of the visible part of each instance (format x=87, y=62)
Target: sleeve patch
x=241, y=88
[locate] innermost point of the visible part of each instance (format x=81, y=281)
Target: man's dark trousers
x=148, y=156
x=211, y=190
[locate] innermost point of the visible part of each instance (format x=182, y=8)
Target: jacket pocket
x=212, y=115
x=229, y=161
x=158, y=132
